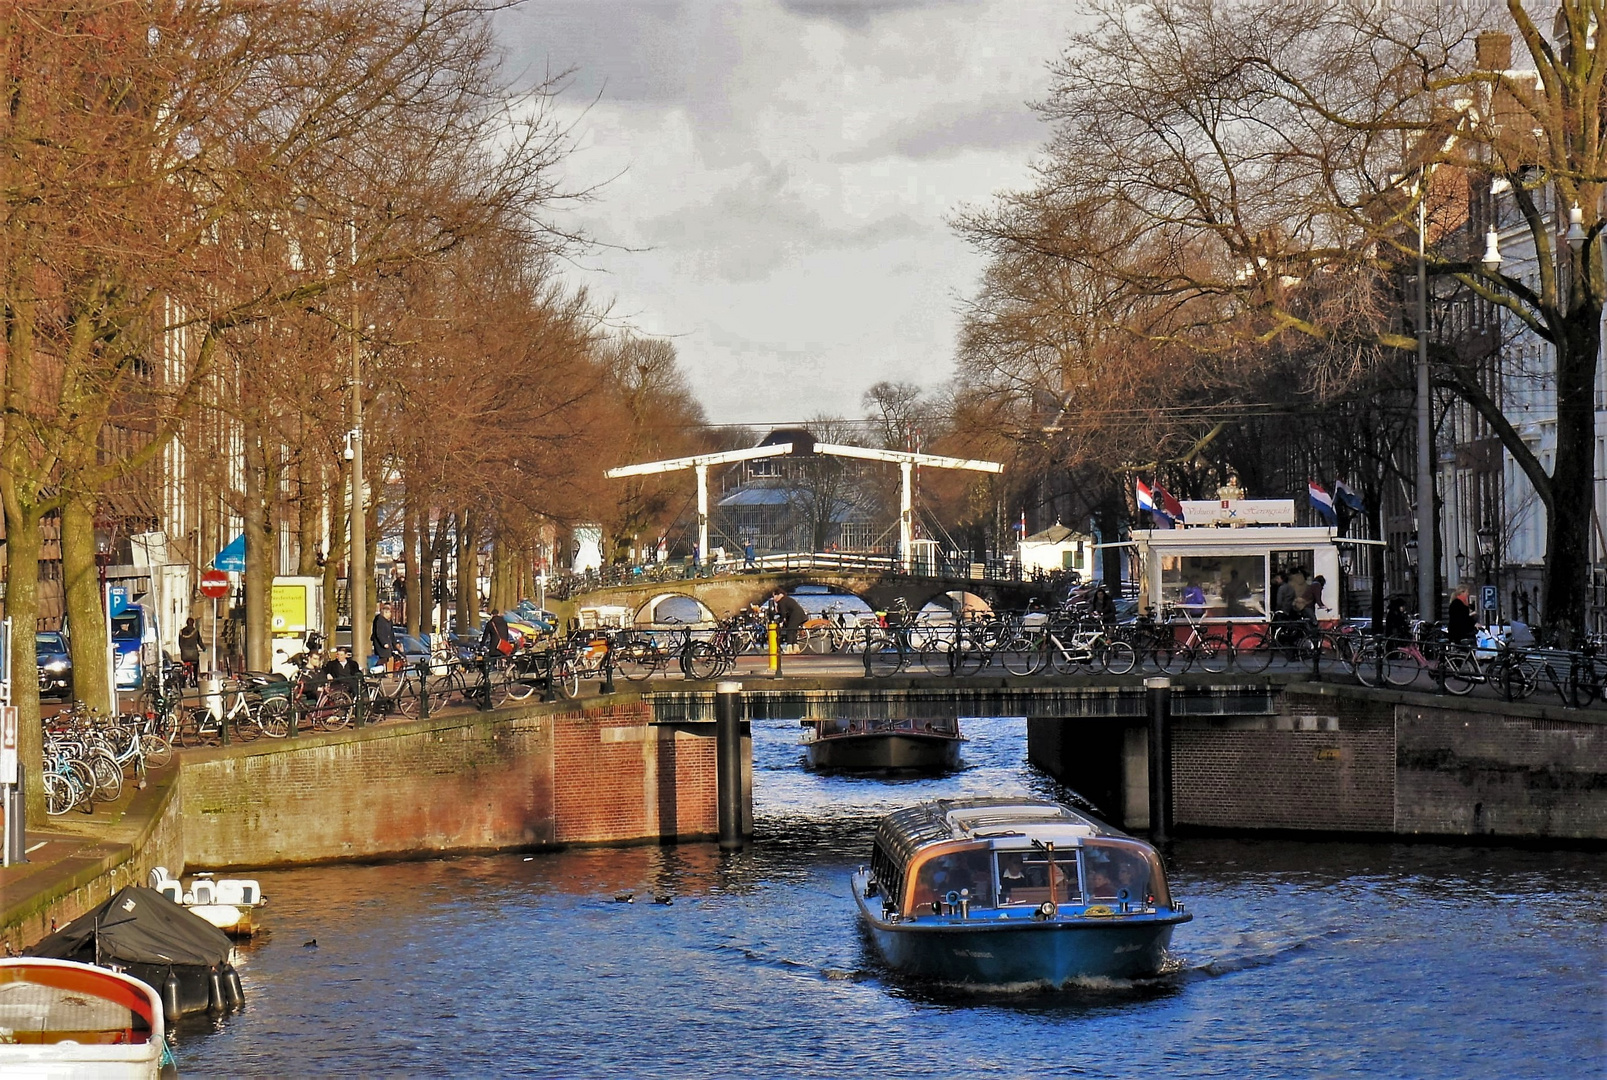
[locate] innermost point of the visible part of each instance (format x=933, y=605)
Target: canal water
x=1304, y=959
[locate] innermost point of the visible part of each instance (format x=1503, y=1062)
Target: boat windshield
x=970, y=869
x=1114, y=872
x=1024, y=877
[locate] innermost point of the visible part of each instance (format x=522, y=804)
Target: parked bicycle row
x=89, y=756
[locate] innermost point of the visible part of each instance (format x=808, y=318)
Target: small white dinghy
x=60, y=1018
x=229, y=904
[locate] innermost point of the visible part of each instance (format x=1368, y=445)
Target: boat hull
x=1020, y=952
x=889, y=751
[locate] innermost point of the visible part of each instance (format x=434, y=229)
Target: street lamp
x=1576, y=228
x=1486, y=538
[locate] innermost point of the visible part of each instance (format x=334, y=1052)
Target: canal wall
x=1332, y=758
x=521, y=778
x=515, y=779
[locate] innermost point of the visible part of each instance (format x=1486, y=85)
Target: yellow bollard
x=773, y=641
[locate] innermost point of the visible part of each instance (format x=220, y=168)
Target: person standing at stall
x=789, y=616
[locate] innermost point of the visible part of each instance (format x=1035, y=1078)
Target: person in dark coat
x=383, y=637
x=1104, y=606
x=341, y=671
x=494, y=633
x=1397, y=624
x=1460, y=624
x=190, y=650
x=789, y=616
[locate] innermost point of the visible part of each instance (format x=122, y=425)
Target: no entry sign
x=215, y=584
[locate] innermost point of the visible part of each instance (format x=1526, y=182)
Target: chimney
x=1492, y=51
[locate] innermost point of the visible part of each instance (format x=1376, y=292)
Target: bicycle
x=1213, y=652
x=899, y=644
x=1453, y=665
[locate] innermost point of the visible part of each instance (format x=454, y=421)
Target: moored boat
x=1007, y=892
x=889, y=745
x=230, y=904
x=141, y=932
x=60, y=1018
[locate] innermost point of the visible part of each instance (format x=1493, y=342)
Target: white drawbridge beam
x=907, y=461
x=700, y=463
x=904, y=459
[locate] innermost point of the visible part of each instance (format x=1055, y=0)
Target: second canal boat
x=883, y=745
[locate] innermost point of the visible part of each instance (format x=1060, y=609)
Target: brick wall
x=1484, y=773
x=1286, y=777
x=498, y=781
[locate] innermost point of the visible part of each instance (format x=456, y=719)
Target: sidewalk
x=72, y=850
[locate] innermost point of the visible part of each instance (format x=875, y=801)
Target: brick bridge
x=1272, y=753
x=726, y=593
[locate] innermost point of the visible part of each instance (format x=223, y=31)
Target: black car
x=55, y=665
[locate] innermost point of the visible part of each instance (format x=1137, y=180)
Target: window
x=1024, y=877
x=1217, y=586
x=1114, y=873
x=943, y=874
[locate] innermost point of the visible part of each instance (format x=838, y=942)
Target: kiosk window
x=1218, y=586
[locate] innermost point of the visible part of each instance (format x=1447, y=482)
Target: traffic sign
x=117, y=600
x=215, y=584
x=1487, y=597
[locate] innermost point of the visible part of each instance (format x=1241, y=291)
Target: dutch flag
x=1146, y=498
x=1345, y=495
x=1322, y=502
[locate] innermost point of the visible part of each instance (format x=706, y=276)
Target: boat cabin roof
x=904, y=832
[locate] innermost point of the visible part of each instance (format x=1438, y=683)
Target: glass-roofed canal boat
x=1005, y=892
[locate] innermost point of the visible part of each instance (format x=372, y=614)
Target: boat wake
x=1247, y=953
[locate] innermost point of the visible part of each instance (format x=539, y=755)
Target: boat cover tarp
x=137, y=926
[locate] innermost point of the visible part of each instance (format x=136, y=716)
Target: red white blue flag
x=1322, y=502
x=1346, y=495
x=1146, y=498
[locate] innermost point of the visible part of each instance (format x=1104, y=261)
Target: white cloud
x=782, y=171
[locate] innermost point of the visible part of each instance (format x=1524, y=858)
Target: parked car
x=55, y=664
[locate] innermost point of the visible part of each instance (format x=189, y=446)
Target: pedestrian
x=789, y=616
x=342, y=671
x=1397, y=624
x=1460, y=623
x=190, y=650
x=1104, y=606
x=383, y=636
x=749, y=556
x=1314, y=597
x=399, y=585
x=495, y=640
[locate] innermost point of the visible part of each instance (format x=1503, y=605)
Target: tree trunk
x=258, y=578
x=86, y=614
x=1573, y=480
x=22, y=606
x=411, y=563
x=309, y=515
x=468, y=606
x=337, y=552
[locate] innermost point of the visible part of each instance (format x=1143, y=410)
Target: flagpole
x=1427, y=563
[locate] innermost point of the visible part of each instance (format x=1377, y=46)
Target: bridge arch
x=672, y=607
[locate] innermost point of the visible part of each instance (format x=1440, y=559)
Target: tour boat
x=892, y=745
x=1003, y=892
x=60, y=1018
x=143, y=933
x=230, y=904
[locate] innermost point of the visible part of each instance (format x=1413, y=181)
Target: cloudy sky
x=780, y=173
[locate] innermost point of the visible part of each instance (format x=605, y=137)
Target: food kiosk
x=1219, y=563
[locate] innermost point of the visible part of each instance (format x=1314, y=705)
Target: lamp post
x=1346, y=560
x=1411, y=566
x=1426, y=598
x=105, y=542
x=1486, y=538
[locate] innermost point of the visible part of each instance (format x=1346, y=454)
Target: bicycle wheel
x=1173, y=657
x=83, y=785
x=519, y=687
x=193, y=726
x=1459, y=671
x=334, y=711
x=971, y=656
x=59, y=796
x=1214, y=654
x=1119, y=657
x=156, y=751
x=1253, y=654
x=1401, y=668
x=1365, y=661
x=1066, y=659
x=108, y=776
x=703, y=662
x=637, y=659
x=274, y=717
x=816, y=637
x=884, y=654
x=1022, y=656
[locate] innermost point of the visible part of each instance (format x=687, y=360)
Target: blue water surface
x=1304, y=959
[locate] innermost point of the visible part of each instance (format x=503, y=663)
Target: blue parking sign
x=1487, y=597
x=117, y=599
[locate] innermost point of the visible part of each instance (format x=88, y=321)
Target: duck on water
x=1014, y=892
